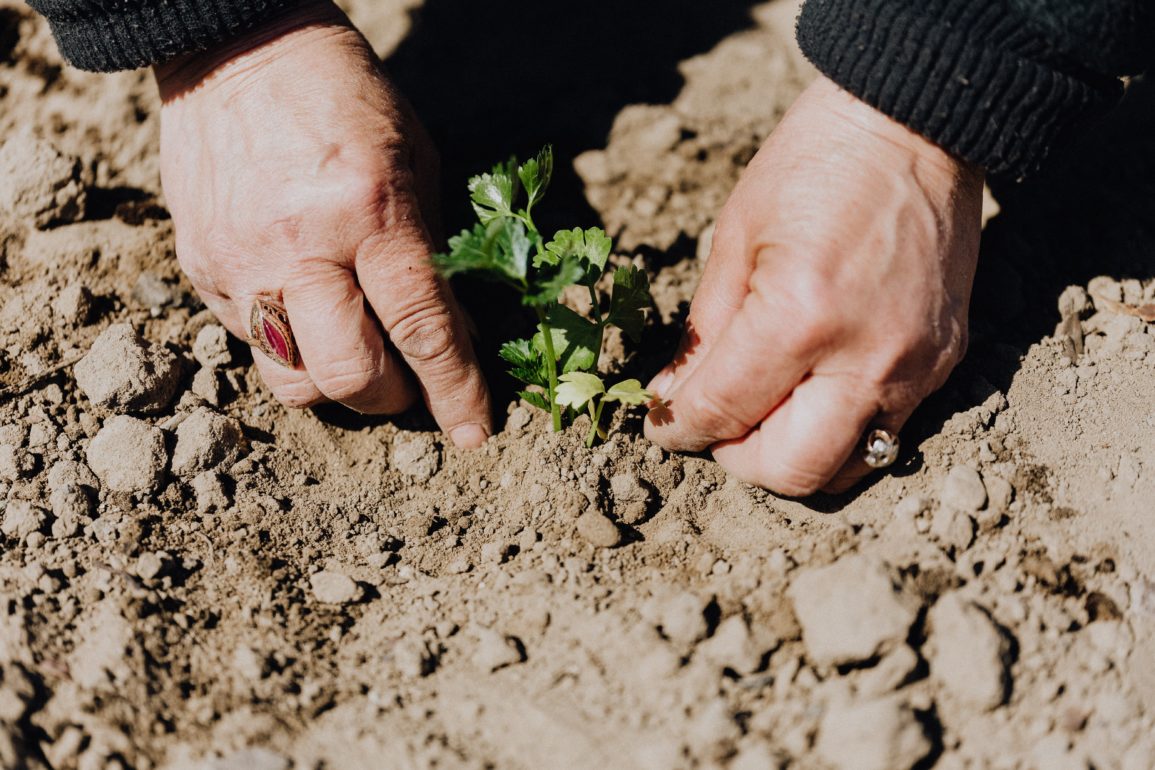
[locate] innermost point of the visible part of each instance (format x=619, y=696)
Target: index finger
x=426, y=326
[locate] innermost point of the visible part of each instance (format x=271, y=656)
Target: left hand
x=835, y=298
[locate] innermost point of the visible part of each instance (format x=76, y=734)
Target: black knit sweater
x=994, y=81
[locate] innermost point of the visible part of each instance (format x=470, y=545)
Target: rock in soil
x=211, y=347
x=850, y=611
x=631, y=498
x=963, y=489
x=968, y=652
x=15, y=463
x=128, y=455
x=205, y=439
x=881, y=734
x=124, y=373
x=41, y=185
x=496, y=650
x=598, y=529
x=417, y=456
x=22, y=518
x=334, y=588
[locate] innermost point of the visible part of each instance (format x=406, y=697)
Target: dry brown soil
x=215, y=581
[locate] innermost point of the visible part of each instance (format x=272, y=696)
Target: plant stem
x=594, y=303
x=551, y=367
x=596, y=416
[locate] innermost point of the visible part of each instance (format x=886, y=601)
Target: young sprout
x=506, y=246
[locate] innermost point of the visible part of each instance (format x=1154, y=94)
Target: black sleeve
x=996, y=82
x=108, y=35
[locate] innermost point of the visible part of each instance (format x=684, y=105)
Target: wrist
x=190, y=71
x=924, y=153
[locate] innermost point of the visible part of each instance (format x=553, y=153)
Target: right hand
x=292, y=168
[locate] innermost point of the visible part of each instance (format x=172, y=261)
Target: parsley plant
x=505, y=245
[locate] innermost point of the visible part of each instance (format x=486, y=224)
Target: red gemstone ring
x=269, y=330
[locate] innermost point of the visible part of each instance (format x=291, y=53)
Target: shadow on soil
x=498, y=78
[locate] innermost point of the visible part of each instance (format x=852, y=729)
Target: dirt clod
x=598, y=529
x=963, y=490
x=334, y=587
x=873, y=735
x=41, y=185
x=128, y=455
x=850, y=611
x=204, y=440
x=124, y=373
x=969, y=653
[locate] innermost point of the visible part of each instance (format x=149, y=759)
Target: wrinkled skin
x=835, y=298
x=294, y=169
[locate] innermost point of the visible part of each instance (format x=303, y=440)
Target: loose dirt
x=192, y=576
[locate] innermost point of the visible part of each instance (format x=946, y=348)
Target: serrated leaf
x=629, y=300
x=526, y=363
x=512, y=249
x=577, y=341
x=629, y=392
x=499, y=250
x=535, y=174
x=493, y=194
x=592, y=246
x=533, y=398
x=549, y=285
x=467, y=251
x=579, y=388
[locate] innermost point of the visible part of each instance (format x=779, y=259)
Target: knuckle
x=792, y=480
x=425, y=334
x=346, y=380
x=299, y=394
x=709, y=414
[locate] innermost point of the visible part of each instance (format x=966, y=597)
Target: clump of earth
x=195, y=577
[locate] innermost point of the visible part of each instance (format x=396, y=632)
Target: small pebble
x=333, y=587
x=211, y=347
x=495, y=650
x=963, y=489
x=598, y=530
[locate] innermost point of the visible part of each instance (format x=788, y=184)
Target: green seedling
x=505, y=245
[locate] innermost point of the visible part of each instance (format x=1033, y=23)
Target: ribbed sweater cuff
x=106, y=36
x=962, y=73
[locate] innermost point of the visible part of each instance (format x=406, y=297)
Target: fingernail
x=469, y=436
x=661, y=382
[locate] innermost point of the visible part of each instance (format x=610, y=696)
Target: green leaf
x=629, y=301
x=579, y=388
x=500, y=250
x=592, y=246
x=533, y=398
x=513, y=244
x=549, y=284
x=535, y=174
x=577, y=341
x=467, y=251
x=526, y=362
x=629, y=392
x=493, y=194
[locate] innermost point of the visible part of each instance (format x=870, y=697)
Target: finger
x=341, y=344
x=801, y=446
x=427, y=328
x=855, y=469
x=717, y=298
x=759, y=358
x=291, y=387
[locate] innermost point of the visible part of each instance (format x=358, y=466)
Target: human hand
x=835, y=298
x=292, y=168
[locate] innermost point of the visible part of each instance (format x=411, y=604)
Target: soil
x=192, y=576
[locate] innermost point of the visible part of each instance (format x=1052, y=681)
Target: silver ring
x=881, y=448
